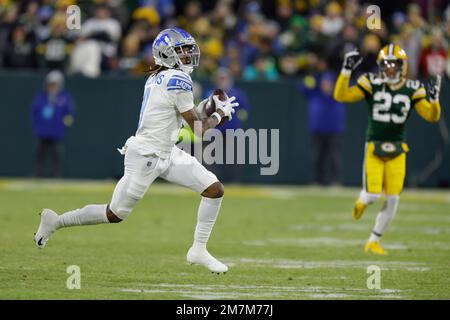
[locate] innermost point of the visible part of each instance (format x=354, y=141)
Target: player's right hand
x=201, y=108
x=227, y=106
x=351, y=60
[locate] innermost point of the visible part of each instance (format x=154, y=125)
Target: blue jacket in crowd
x=50, y=117
x=325, y=115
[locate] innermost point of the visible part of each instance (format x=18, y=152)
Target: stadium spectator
x=348, y=39
x=370, y=48
x=333, y=21
x=130, y=54
x=8, y=16
x=52, y=111
x=263, y=68
x=20, y=52
x=411, y=40
x=43, y=27
x=326, y=121
x=105, y=32
x=233, y=34
x=433, y=58
x=54, y=51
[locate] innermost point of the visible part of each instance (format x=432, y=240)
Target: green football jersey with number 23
x=389, y=109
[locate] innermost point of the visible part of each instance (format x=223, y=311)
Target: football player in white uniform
x=152, y=153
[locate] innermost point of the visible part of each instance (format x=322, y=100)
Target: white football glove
x=227, y=106
x=201, y=108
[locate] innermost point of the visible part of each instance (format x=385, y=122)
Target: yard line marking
x=302, y=264
x=316, y=227
x=199, y=291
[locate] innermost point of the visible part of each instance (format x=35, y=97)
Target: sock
x=368, y=198
x=385, y=217
x=207, y=214
x=90, y=214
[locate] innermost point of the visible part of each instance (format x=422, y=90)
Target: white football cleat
x=49, y=224
x=204, y=258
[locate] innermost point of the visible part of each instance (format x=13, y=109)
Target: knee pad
x=369, y=198
x=121, y=210
x=128, y=192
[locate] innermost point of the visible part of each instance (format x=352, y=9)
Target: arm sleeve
x=344, y=93
x=430, y=111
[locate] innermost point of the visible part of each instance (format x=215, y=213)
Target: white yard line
x=331, y=264
x=319, y=227
x=199, y=291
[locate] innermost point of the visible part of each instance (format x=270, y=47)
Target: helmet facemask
x=187, y=57
x=391, y=70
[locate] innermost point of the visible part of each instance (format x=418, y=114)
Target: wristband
x=346, y=72
x=217, y=115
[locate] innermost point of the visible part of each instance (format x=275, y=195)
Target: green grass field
x=280, y=243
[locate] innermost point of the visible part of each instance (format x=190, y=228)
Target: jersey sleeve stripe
x=419, y=94
x=176, y=83
x=364, y=83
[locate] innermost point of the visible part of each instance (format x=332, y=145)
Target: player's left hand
x=434, y=88
x=227, y=106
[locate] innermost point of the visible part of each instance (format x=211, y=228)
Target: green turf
x=281, y=243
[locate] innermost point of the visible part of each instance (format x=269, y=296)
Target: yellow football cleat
x=375, y=248
x=358, y=209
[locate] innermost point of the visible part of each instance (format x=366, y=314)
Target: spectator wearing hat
x=52, y=112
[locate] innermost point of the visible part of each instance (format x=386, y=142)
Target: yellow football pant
x=386, y=174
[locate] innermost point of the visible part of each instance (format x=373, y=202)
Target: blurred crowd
x=255, y=40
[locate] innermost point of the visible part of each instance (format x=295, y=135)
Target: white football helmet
x=176, y=49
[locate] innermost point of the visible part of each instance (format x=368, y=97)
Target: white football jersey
x=167, y=94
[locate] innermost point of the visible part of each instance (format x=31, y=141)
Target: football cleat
x=49, y=224
x=374, y=247
x=204, y=258
x=358, y=209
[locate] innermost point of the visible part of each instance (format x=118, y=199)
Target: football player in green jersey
x=390, y=97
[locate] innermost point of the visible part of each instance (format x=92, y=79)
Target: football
x=210, y=107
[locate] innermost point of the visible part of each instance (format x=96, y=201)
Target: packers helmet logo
x=388, y=147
